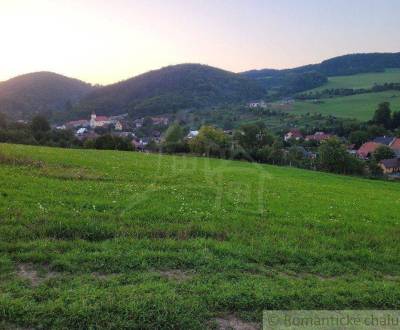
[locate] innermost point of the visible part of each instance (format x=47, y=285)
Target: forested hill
x=170, y=89
x=40, y=92
x=306, y=77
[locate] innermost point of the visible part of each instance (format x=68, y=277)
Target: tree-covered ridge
x=170, y=89
x=359, y=63
x=40, y=93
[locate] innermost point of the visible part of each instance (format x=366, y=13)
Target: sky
x=105, y=41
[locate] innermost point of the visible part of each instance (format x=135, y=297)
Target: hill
x=360, y=106
x=170, y=89
x=93, y=239
x=40, y=92
x=288, y=81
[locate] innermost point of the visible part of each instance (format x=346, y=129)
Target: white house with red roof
x=99, y=121
x=294, y=134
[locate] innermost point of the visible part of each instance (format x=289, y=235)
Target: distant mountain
x=289, y=81
x=40, y=93
x=170, y=89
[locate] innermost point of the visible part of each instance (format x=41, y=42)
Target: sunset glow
x=106, y=41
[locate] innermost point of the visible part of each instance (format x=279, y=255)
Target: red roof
x=295, y=133
x=101, y=118
x=78, y=122
x=367, y=149
x=395, y=144
x=319, y=136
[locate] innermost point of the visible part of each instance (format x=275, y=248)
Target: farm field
x=360, y=106
x=104, y=239
x=362, y=80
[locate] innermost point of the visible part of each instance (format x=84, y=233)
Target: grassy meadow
x=360, y=106
x=104, y=239
x=362, y=80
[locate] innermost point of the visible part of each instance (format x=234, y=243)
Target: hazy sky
x=103, y=41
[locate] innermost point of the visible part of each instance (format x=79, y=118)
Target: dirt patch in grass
x=59, y=171
x=19, y=161
x=392, y=278
x=271, y=272
x=231, y=322
x=192, y=232
x=10, y=326
x=71, y=173
x=29, y=272
x=304, y=275
x=103, y=276
x=176, y=275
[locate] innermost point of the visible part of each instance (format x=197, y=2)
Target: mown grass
x=361, y=106
x=247, y=237
x=362, y=80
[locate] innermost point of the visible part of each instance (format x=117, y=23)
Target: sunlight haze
x=107, y=41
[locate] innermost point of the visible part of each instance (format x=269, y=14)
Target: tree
x=383, y=152
x=174, y=134
x=333, y=157
x=374, y=130
x=40, y=124
x=375, y=171
x=277, y=154
x=396, y=119
x=210, y=141
x=383, y=115
x=295, y=156
x=174, y=139
x=358, y=137
x=253, y=136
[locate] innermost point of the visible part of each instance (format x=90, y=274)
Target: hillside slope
x=361, y=80
x=103, y=239
x=360, y=106
x=289, y=81
x=172, y=88
x=40, y=92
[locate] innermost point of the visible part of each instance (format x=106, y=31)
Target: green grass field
x=361, y=106
x=103, y=239
x=363, y=80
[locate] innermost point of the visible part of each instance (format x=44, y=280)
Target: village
x=143, y=131
x=390, y=166
x=139, y=131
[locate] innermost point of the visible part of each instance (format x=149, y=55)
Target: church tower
x=93, y=120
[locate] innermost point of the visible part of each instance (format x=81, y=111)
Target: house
x=395, y=146
x=192, y=134
x=257, y=104
x=87, y=135
x=318, y=136
x=307, y=154
x=367, y=149
x=351, y=149
x=138, y=122
x=119, y=117
x=77, y=123
x=160, y=121
x=99, y=121
x=384, y=140
x=136, y=144
x=294, y=134
x=124, y=134
x=118, y=126
x=81, y=131
x=390, y=166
